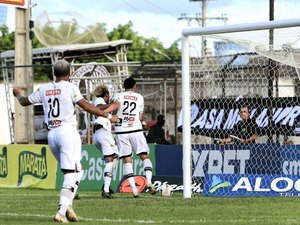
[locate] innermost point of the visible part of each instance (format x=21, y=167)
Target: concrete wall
x=4, y=131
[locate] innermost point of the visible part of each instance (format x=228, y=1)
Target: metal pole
x=271, y=71
x=186, y=126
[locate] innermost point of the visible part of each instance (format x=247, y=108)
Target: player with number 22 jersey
x=132, y=104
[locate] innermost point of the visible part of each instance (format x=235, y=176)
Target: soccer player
x=59, y=98
x=129, y=133
x=103, y=138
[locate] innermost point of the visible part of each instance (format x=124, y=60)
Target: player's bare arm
x=23, y=100
x=112, y=106
x=105, y=106
x=95, y=110
x=102, y=106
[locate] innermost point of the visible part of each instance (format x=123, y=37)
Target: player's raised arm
x=23, y=100
x=95, y=110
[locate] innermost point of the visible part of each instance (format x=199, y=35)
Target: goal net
x=224, y=69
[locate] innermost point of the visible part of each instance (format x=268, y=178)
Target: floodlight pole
x=24, y=128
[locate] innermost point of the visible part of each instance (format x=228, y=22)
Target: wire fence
x=157, y=82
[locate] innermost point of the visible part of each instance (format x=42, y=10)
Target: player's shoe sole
x=77, y=197
x=111, y=191
x=106, y=195
x=60, y=218
x=71, y=215
x=136, y=194
x=151, y=189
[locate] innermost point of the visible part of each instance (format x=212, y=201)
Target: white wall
x=4, y=127
x=4, y=131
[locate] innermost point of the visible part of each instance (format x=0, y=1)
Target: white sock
x=66, y=193
x=148, y=170
x=115, y=163
x=128, y=172
x=108, y=172
x=78, y=179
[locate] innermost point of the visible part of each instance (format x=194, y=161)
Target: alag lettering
x=286, y=184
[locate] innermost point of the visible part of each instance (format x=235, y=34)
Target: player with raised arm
x=129, y=133
x=59, y=98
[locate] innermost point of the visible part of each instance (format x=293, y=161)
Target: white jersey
x=58, y=101
x=131, y=105
x=102, y=120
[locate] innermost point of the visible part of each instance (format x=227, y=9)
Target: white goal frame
x=186, y=95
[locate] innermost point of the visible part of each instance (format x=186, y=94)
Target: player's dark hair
x=105, y=92
x=61, y=68
x=129, y=83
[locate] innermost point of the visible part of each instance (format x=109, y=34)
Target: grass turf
x=36, y=206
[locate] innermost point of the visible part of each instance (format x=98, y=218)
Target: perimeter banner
x=252, y=185
x=27, y=166
x=93, y=164
x=217, y=117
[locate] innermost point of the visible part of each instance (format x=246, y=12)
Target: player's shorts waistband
x=128, y=132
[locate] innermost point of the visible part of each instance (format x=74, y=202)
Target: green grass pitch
x=36, y=206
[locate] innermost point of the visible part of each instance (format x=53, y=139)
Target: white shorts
x=65, y=144
x=105, y=142
x=130, y=142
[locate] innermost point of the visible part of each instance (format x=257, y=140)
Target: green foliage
x=7, y=40
x=142, y=49
x=37, y=206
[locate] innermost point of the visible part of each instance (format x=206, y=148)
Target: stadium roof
x=94, y=50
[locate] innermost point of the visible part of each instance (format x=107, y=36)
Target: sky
x=160, y=18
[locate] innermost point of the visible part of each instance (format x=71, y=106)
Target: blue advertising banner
x=236, y=159
x=230, y=159
x=251, y=185
x=168, y=160
x=290, y=159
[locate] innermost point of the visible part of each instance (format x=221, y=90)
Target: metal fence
x=158, y=82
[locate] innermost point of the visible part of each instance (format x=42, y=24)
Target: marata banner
x=217, y=117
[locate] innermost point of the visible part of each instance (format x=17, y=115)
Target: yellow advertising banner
x=27, y=166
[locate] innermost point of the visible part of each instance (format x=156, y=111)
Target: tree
x=143, y=49
x=7, y=40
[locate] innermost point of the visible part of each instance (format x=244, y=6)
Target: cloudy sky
x=160, y=18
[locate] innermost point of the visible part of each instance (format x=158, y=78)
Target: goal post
x=244, y=65
x=186, y=128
